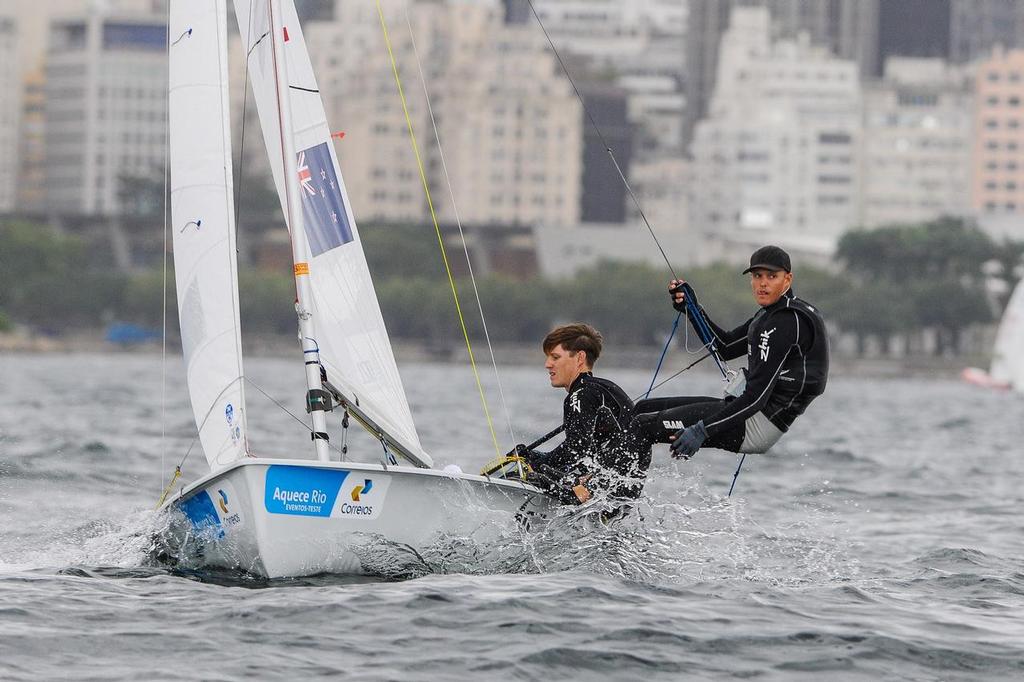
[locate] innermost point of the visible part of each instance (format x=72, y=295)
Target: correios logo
x=363, y=489
x=359, y=506
x=227, y=517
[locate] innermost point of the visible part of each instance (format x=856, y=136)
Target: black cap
x=769, y=258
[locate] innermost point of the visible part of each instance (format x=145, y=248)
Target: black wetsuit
x=598, y=443
x=787, y=368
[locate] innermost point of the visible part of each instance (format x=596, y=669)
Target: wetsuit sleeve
x=579, y=416
x=781, y=333
x=731, y=344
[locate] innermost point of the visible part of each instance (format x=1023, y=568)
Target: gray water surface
x=881, y=539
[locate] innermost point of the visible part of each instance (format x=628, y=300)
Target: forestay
x=354, y=345
x=203, y=225
x=1007, y=358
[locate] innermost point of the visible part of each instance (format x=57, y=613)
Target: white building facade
x=106, y=109
x=917, y=141
x=10, y=108
x=778, y=155
x=509, y=122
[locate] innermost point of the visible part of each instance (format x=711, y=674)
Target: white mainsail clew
x=353, y=342
x=203, y=225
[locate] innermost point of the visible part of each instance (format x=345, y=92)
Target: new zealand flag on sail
x=323, y=210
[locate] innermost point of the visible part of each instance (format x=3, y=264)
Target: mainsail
x=203, y=224
x=1007, y=361
x=354, y=345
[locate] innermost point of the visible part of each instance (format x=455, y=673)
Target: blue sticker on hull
x=200, y=511
x=302, y=491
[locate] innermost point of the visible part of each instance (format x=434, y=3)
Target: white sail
x=354, y=345
x=203, y=224
x=1007, y=361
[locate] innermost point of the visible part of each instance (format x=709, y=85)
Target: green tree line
x=888, y=283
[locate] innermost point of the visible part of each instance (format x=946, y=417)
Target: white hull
x=286, y=517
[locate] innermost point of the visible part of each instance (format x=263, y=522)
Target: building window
x=992, y=76
x=991, y=124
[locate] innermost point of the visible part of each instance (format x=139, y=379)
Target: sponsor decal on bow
x=333, y=493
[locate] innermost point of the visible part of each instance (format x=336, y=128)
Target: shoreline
x=280, y=346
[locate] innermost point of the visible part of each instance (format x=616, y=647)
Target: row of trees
x=892, y=283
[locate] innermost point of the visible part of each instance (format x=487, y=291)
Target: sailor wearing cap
x=787, y=367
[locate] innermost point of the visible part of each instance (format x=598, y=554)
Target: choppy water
x=880, y=540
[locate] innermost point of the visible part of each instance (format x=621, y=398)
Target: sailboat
x=1007, y=368
x=288, y=515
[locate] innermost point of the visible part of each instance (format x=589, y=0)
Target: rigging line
x=163, y=291
x=607, y=147
x=458, y=222
x=668, y=341
x=437, y=227
x=293, y=415
x=241, y=140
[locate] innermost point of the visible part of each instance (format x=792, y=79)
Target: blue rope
x=707, y=337
x=668, y=341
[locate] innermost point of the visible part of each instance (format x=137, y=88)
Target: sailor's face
x=769, y=285
x=563, y=367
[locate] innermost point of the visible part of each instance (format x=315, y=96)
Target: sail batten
x=203, y=226
x=353, y=343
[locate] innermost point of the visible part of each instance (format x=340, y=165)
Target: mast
x=317, y=400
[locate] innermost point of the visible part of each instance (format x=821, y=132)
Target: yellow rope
x=177, y=474
x=437, y=227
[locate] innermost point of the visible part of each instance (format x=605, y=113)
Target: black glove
x=678, y=289
x=688, y=441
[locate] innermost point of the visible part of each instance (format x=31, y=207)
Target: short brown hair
x=574, y=338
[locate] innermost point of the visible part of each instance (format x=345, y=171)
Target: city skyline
x=520, y=147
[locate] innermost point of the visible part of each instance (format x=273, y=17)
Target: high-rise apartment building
x=10, y=105
x=509, y=122
x=916, y=151
x=978, y=26
x=778, y=152
x=106, y=109
x=998, y=183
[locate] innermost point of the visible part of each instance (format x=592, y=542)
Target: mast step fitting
x=319, y=435
x=318, y=399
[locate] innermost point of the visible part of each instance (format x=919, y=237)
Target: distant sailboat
x=1007, y=369
x=285, y=516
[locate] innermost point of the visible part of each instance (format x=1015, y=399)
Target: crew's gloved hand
x=675, y=290
x=687, y=441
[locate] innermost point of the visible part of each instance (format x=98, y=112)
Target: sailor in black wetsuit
x=599, y=451
x=787, y=367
